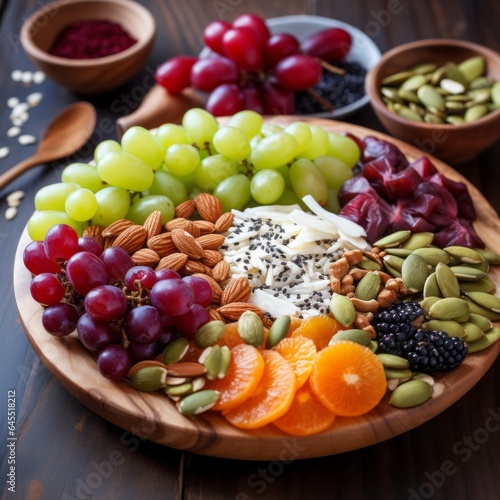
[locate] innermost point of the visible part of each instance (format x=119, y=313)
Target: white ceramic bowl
x=363, y=50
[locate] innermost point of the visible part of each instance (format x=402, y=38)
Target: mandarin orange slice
x=320, y=329
x=306, y=415
x=273, y=396
x=348, y=378
x=242, y=378
x=300, y=353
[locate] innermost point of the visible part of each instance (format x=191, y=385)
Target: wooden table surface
x=64, y=451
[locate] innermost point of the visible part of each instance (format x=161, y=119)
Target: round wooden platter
x=154, y=417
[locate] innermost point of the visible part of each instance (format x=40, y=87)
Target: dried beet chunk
x=90, y=39
x=390, y=194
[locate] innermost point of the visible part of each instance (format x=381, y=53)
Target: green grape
x=288, y=198
x=318, y=145
x=125, y=171
x=83, y=174
x=285, y=173
x=170, y=134
x=234, y=192
x=200, y=126
x=169, y=185
x=306, y=179
x=332, y=203
x=343, y=148
x=268, y=129
x=40, y=222
x=274, y=151
x=188, y=181
x=267, y=186
x=104, y=147
x=112, y=204
x=141, y=143
x=53, y=196
x=302, y=133
x=142, y=207
x=232, y=143
x=333, y=170
x=181, y=159
x=81, y=204
x=248, y=121
x=213, y=170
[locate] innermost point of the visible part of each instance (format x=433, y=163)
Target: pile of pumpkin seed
x=450, y=94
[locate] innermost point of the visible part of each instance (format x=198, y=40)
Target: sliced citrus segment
x=231, y=336
x=295, y=322
x=306, y=415
x=273, y=396
x=300, y=353
x=319, y=329
x=242, y=378
x=348, y=378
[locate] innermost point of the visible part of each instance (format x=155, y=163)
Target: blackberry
x=398, y=332
x=431, y=351
x=396, y=324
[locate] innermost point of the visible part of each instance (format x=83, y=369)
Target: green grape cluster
x=244, y=162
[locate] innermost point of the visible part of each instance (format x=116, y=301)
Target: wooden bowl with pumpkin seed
x=440, y=95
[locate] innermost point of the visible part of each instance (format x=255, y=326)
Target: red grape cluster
x=123, y=313
x=252, y=69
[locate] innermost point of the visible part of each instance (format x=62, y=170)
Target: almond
x=236, y=309
x=132, y=239
x=195, y=266
x=152, y=224
x=221, y=271
x=185, y=209
x=204, y=226
x=145, y=257
x=175, y=261
x=215, y=315
x=191, y=228
x=186, y=369
x=108, y=242
x=95, y=232
x=224, y=222
x=208, y=206
x=211, y=257
x=187, y=244
x=211, y=241
x=177, y=223
x=162, y=244
x=237, y=290
x=117, y=227
x=216, y=288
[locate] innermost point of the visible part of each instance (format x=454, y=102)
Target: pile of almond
x=188, y=244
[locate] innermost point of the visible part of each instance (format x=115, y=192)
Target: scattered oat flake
x=27, y=77
x=38, y=77
x=14, y=198
x=13, y=131
x=20, y=108
x=10, y=213
x=12, y=102
x=4, y=151
x=34, y=99
x=17, y=75
x=26, y=139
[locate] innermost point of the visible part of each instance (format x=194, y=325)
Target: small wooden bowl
x=451, y=143
x=89, y=76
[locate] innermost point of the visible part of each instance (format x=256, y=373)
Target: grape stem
x=327, y=105
x=330, y=68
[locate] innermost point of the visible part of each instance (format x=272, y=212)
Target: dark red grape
x=225, y=100
x=60, y=319
x=114, y=362
x=255, y=24
x=175, y=74
x=60, y=242
x=241, y=46
x=280, y=46
x=46, y=289
x=172, y=297
x=143, y=325
x=277, y=101
x=36, y=261
x=86, y=271
x=201, y=289
x=213, y=33
x=168, y=334
x=105, y=303
x=190, y=322
x=140, y=276
x=297, y=72
x=89, y=244
x=140, y=352
x=331, y=44
x=117, y=262
x=93, y=334
x=207, y=74
x=167, y=274
x=252, y=100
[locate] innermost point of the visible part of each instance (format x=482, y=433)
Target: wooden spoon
x=66, y=134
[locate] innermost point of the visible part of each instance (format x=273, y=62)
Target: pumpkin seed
x=391, y=373
x=393, y=240
x=278, y=331
x=368, y=286
x=428, y=302
x=430, y=118
x=448, y=308
x=495, y=93
x=431, y=287
x=487, y=340
x=354, y=335
x=393, y=361
x=486, y=300
x=452, y=86
x=373, y=346
x=430, y=98
x=473, y=67
x=423, y=69
x=454, y=73
x=408, y=95
x=251, y=328
x=472, y=331
x=149, y=379
x=394, y=261
x=209, y=333
x=175, y=350
x=468, y=273
x=369, y=264
x=225, y=361
x=450, y=327
x=414, y=272
x=179, y=390
x=411, y=393
x=464, y=254
x=418, y=240
x=198, y=402
x=433, y=255
x=489, y=255
x=483, y=311
x=425, y=377
x=414, y=82
x=475, y=112
x=447, y=281
x=342, y=309
x=397, y=78
x=398, y=252
x=454, y=120
x=480, y=321
x=438, y=74
x=213, y=362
